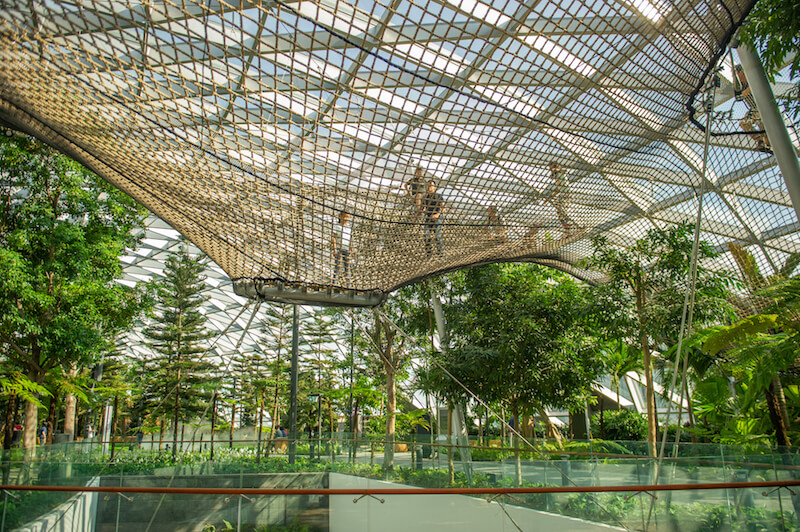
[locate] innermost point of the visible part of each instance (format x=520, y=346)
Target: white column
x=774, y=125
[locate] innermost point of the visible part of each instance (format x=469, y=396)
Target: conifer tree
x=321, y=365
x=277, y=335
x=178, y=336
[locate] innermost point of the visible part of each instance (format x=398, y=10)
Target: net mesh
x=296, y=142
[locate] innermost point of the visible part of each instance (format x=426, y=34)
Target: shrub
x=624, y=425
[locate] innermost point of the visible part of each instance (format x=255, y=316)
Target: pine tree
x=177, y=334
x=277, y=343
x=322, y=367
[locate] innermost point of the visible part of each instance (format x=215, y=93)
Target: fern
x=24, y=388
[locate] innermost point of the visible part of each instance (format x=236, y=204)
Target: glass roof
x=250, y=127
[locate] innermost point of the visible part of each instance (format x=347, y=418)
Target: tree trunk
x=391, y=404
x=70, y=407
x=260, y=421
x=175, y=417
x=515, y=443
x=354, y=424
x=330, y=424
x=113, y=425
x=451, y=474
x=29, y=430
x=276, y=400
x=602, y=419
x=480, y=429
x=652, y=422
x=777, y=388
x=689, y=409
x=51, y=418
x=526, y=427
x=213, y=423
x=773, y=407
x=233, y=419
x=503, y=425
x=552, y=430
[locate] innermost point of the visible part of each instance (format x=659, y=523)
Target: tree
x=773, y=29
x=176, y=334
x=519, y=338
x=655, y=269
x=317, y=336
x=62, y=231
x=390, y=350
x=757, y=349
x=276, y=329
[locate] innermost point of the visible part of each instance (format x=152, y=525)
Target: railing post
x=5, y=505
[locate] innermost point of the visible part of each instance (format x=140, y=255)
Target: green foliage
x=740, y=363
x=656, y=272
x=773, y=29
x=519, y=337
x=62, y=230
x=24, y=388
x=612, y=508
x=620, y=358
x=608, y=508
x=622, y=425
x=31, y=504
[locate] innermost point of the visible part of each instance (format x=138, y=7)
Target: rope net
x=295, y=142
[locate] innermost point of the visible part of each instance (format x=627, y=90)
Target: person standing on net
x=495, y=225
x=433, y=208
x=559, y=198
x=342, y=235
x=416, y=189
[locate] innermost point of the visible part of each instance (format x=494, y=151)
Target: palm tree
x=620, y=358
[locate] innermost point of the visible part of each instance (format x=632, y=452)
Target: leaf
x=738, y=332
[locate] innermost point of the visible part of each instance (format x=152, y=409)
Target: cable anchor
x=368, y=495
x=770, y=492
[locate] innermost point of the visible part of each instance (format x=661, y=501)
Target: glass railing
x=703, y=487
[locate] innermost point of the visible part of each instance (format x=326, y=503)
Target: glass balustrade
x=336, y=485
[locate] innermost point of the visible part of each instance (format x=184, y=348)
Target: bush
x=672, y=430
x=624, y=425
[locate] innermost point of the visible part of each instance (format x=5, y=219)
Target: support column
x=774, y=125
x=293, y=394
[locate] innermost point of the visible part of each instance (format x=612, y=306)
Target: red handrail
x=411, y=491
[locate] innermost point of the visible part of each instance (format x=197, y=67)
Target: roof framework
x=249, y=127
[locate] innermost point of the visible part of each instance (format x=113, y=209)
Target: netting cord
x=688, y=303
x=430, y=80
x=711, y=70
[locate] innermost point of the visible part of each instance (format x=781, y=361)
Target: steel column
x=293, y=396
x=773, y=122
